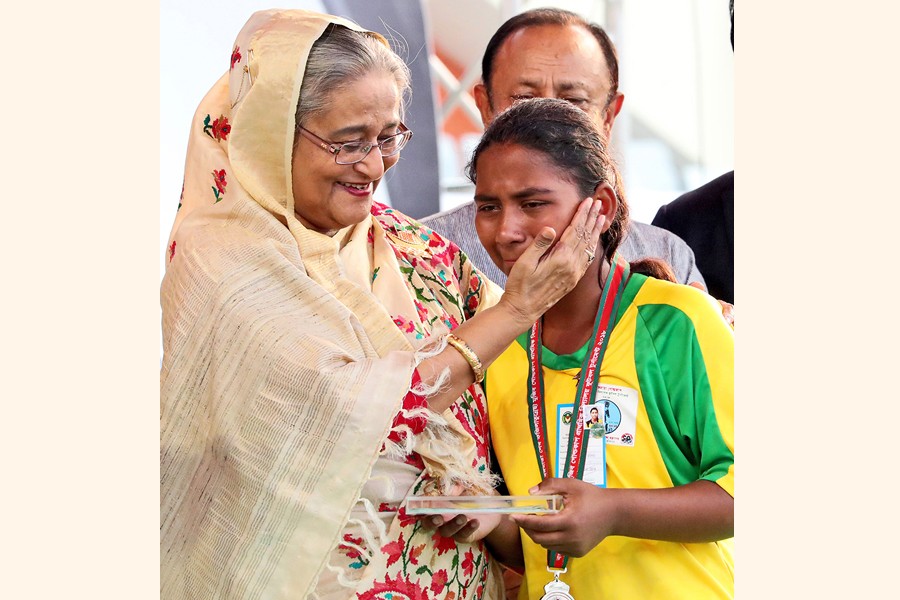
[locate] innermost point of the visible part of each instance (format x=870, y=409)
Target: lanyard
x=587, y=386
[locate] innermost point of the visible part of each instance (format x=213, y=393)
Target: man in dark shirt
x=704, y=218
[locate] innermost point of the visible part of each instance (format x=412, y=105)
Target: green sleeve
x=685, y=366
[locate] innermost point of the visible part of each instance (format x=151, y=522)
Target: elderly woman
x=310, y=381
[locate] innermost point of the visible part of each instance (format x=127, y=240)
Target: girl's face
x=329, y=196
x=519, y=191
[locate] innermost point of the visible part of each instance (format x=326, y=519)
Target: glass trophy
x=473, y=505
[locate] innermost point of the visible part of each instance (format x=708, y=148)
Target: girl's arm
x=700, y=511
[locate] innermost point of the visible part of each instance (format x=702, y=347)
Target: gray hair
x=337, y=59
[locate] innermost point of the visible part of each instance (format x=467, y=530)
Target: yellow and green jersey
x=668, y=388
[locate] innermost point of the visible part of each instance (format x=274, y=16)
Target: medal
x=556, y=589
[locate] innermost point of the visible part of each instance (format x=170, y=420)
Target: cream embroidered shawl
x=280, y=375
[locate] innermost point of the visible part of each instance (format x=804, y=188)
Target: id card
x=618, y=411
x=594, y=438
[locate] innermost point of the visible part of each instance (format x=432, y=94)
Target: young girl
x=649, y=507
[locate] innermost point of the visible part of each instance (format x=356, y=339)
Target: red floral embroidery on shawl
x=439, y=581
x=443, y=544
x=411, y=401
x=402, y=587
x=218, y=129
x=394, y=550
x=220, y=183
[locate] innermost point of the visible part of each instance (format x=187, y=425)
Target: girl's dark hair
x=654, y=267
x=569, y=139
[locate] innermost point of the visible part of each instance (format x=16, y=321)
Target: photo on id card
x=593, y=436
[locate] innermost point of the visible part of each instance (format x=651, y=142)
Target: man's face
x=551, y=61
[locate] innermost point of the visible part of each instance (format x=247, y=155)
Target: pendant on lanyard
x=556, y=589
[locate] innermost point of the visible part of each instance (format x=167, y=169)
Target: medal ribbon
x=585, y=394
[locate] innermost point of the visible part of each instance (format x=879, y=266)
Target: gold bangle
x=469, y=355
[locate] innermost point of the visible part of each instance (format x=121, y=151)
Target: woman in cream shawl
x=307, y=386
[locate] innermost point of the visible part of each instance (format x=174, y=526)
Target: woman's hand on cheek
x=546, y=272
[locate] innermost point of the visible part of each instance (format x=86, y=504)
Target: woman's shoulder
x=211, y=244
x=394, y=221
x=436, y=258
x=409, y=236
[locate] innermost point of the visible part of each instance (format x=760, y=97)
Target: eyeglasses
x=350, y=153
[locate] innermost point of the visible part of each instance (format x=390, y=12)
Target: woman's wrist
x=467, y=353
x=521, y=317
